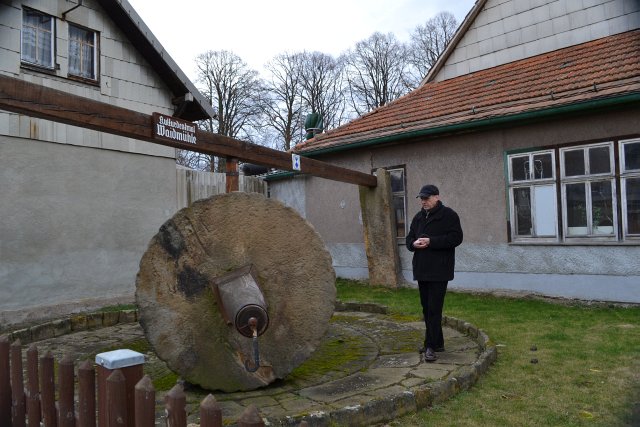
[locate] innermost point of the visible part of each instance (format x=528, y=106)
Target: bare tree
x=375, y=72
x=236, y=93
x=322, y=88
x=283, y=108
x=428, y=41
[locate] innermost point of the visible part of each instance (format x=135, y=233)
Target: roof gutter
x=486, y=123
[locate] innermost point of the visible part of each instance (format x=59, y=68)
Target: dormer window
x=82, y=52
x=37, y=38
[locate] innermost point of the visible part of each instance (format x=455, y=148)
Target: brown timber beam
x=38, y=101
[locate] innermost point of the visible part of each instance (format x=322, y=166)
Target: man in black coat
x=433, y=236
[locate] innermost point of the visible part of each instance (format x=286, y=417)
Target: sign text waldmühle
x=172, y=129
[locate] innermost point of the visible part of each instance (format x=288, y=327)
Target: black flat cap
x=428, y=190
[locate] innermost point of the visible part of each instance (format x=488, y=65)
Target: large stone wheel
x=180, y=314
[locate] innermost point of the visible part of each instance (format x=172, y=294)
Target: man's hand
x=421, y=243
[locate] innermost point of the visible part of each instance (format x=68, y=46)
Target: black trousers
x=432, y=300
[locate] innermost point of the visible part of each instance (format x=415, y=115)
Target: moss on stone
x=165, y=382
x=332, y=355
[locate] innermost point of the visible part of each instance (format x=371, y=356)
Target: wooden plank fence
x=34, y=404
x=193, y=185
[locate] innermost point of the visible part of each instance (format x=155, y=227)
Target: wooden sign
x=170, y=128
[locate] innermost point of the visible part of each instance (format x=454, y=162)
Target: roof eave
x=528, y=116
x=460, y=32
x=127, y=19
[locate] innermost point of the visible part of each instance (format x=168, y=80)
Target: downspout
x=64, y=14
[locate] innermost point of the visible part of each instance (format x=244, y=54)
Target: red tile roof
x=600, y=69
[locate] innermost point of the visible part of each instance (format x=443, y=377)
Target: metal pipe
x=64, y=14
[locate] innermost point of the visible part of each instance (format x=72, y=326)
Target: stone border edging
x=75, y=323
x=375, y=411
x=419, y=397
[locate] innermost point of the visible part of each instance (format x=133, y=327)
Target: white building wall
x=509, y=30
x=125, y=79
x=78, y=207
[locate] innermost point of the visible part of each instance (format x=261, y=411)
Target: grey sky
x=259, y=30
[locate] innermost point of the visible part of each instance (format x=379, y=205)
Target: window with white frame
x=533, y=195
x=588, y=188
x=82, y=52
x=630, y=183
x=37, y=38
x=595, y=204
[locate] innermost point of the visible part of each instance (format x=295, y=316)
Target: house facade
x=530, y=126
x=78, y=206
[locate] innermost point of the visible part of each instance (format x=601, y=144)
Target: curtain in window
x=81, y=52
x=37, y=33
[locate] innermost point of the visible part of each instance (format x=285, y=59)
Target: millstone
x=179, y=311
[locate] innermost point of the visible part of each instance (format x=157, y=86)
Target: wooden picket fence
x=34, y=404
x=194, y=185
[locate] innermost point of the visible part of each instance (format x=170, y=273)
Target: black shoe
x=430, y=356
x=437, y=350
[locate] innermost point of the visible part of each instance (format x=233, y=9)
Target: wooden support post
x=232, y=183
x=33, y=387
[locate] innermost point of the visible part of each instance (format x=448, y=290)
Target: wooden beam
x=38, y=101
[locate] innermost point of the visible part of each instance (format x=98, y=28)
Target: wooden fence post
x=145, y=403
x=66, y=409
x=176, y=402
x=33, y=387
x=5, y=382
x=210, y=412
x=17, y=386
x=250, y=418
x=116, y=400
x=231, y=167
x=86, y=395
x=48, y=390
x=130, y=363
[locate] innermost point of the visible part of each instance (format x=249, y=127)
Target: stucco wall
x=75, y=223
x=469, y=170
x=78, y=207
x=291, y=192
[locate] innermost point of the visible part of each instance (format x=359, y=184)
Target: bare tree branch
x=375, y=72
x=428, y=41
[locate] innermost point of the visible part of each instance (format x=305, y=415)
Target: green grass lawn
x=588, y=360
